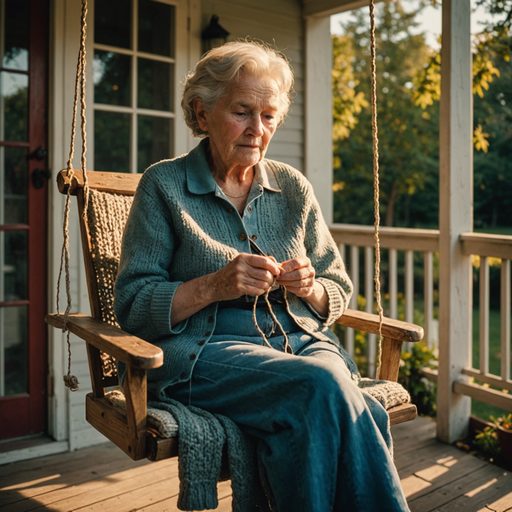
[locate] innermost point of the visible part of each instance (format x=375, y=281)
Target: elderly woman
x=209, y=233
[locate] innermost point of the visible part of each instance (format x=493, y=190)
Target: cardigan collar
x=201, y=181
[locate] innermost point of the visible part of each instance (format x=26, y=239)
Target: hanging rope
x=375, y=139
x=70, y=380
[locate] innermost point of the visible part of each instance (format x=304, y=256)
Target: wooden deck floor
x=435, y=477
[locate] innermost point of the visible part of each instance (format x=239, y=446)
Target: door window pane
x=14, y=29
x=154, y=142
x=13, y=106
x=13, y=169
x=112, y=74
x=112, y=22
x=13, y=329
x=14, y=265
x=155, y=21
x=111, y=141
x=154, y=85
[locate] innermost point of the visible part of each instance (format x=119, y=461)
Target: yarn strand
x=286, y=346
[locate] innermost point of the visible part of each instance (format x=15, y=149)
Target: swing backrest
x=110, y=200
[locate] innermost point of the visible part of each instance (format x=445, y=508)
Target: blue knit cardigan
x=181, y=227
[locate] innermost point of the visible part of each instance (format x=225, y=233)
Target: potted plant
x=504, y=431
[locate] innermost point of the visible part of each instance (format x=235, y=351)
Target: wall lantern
x=214, y=35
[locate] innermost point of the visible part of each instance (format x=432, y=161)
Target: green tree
x=493, y=169
x=491, y=46
x=408, y=135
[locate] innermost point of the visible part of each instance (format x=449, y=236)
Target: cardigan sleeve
x=326, y=260
x=143, y=292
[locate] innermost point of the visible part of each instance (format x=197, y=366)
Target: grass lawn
x=480, y=409
x=498, y=230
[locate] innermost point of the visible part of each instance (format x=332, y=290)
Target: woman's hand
x=247, y=274
x=298, y=277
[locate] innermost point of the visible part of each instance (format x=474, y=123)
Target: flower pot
x=505, y=439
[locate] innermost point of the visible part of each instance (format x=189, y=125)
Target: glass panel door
x=23, y=82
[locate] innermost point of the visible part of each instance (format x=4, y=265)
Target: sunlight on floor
x=474, y=492
x=33, y=483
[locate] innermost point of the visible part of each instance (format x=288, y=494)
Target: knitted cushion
x=386, y=392
x=162, y=421
x=107, y=215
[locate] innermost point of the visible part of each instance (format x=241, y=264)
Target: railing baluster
x=428, y=296
x=409, y=291
x=354, y=271
x=484, y=314
x=505, y=319
x=368, y=293
x=341, y=248
x=409, y=286
x=393, y=284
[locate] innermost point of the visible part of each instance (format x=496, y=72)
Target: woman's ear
x=201, y=114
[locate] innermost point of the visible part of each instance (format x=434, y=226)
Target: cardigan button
x=249, y=208
x=254, y=237
x=230, y=210
x=192, y=356
x=210, y=319
x=207, y=333
x=241, y=236
x=182, y=376
x=201, y=343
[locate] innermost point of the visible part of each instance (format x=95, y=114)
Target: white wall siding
x=278, y=22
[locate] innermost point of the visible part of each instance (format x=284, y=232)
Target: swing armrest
x=391, y=329
x=129, y=349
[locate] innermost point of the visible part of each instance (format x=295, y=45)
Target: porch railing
x=352, y=239
x=486, y=247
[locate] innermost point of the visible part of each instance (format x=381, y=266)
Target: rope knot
x=71, y=382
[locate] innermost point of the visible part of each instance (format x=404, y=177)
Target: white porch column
x=318, y=111
x=455, y=217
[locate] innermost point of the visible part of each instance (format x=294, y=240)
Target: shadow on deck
x=435, y=477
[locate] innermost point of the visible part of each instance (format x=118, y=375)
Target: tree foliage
x=407, y=134
x=493, y=166
x=408, y=81
x=493, y=44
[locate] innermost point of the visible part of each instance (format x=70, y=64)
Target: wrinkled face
x=242, y=122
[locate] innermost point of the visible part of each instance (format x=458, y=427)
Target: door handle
x=38, y=177
x=39, y=153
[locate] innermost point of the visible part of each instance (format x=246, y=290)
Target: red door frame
x=26, y=414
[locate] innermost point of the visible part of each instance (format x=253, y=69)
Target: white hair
x=222, y=66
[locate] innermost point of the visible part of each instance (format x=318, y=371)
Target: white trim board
x=41, y=450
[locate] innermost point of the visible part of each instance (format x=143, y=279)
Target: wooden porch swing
x=104, y=200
